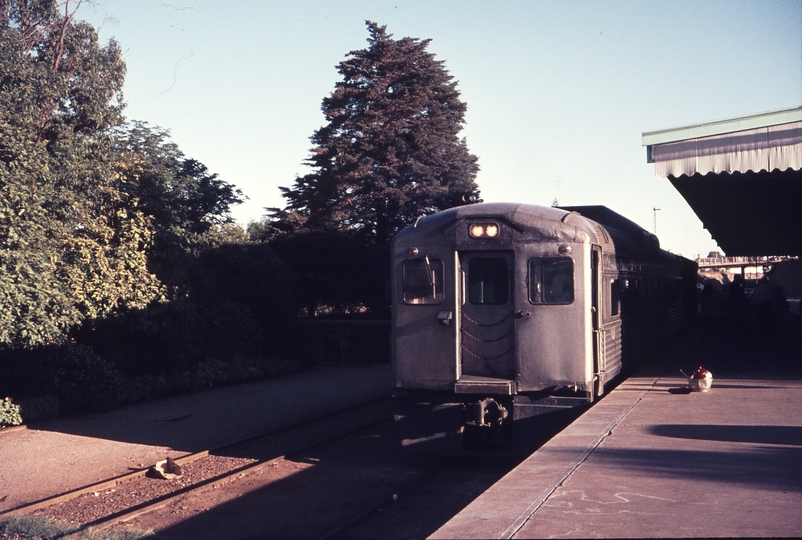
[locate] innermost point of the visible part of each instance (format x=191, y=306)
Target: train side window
x=615, y=297
x=551, y=281
x=423, y=281
x=488, y=281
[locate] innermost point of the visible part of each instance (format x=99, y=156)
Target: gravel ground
x=107, y=503
x=100, y=504
x=302, y=496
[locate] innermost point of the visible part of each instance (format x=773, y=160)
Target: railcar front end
x=493, y=323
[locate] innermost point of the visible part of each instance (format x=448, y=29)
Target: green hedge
x=70, y=378
x=344, y=342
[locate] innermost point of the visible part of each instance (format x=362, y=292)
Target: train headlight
x=484, y=230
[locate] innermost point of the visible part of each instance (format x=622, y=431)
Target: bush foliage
x=70, y=378
x=9, y=413
x=122, y=274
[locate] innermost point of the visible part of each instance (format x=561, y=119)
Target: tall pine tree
x=391, y=149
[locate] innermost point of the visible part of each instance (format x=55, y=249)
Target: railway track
x=89, y=507
x=365, y=514
x=443, y=488
x=339, y=476
x=355, y=486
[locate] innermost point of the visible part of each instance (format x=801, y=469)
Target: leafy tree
x=187, y=204
x=86, y=201
x=179, y=192
x=390, y=150
x=67, y=235
x=118, y=255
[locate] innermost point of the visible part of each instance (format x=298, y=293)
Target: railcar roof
x=627, y=236
x=518, y=213
x=528, y=217
x=609, y=219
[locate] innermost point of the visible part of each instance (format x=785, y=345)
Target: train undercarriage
x=444, y=423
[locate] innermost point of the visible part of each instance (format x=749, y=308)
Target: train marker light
x=484, y=230
x=413, y=252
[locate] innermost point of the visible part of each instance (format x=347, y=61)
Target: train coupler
x=487, y=413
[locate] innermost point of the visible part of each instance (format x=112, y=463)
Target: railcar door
x=487, y=319
x=596, y=311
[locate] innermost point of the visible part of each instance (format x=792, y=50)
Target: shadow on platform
x=755, y=467
x=785, y=435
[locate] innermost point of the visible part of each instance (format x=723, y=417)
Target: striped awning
x=763, y=149
x=742, y=177
x=764, y=142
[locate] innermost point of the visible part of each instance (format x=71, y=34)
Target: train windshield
x=423, y=281
x=551, y=281
x=488, y=281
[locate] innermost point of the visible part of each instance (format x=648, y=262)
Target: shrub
x=208, y=374
x=71, y=373
x=38, y=408
x=9, y=413
x=83, y=381
x=173, y=336
x=345, y=341
x=254, y=277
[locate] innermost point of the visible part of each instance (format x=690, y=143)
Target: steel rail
x=141, y=509
x=425, y=477
x=188, y=458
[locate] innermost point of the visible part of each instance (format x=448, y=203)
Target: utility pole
x=655, y=220
x=556, y=201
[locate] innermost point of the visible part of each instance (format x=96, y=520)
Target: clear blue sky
x=558, y=92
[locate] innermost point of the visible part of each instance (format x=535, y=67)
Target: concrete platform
x=58, y=455
x=646, y=462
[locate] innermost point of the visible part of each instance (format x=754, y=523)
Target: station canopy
x=742, y=177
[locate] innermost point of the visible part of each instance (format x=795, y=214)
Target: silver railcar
x=503, y=312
